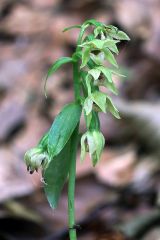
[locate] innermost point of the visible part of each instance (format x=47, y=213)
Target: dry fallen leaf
x=14, y=179
x=116, y=171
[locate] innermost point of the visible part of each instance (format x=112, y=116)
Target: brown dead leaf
x=112, y=235
x=116, y=171
x=14, y=179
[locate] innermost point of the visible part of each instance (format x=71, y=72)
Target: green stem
x=76, y=81
x=71, y=186
x=72, y=169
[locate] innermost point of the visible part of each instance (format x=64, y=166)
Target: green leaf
x=95, y=73
x=110, y=57
x=111, y=108
x=93, y=22
x=100, y=99
x=55, y=175
x=115, y=33
x=122, y=36
x=71, y=27
x=62, y=128
x=56, y=65
x=85, y=56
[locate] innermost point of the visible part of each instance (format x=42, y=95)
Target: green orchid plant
x=93, y=65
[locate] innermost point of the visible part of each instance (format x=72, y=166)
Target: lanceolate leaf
x=62, y=128
x=71, y=27
x=55, y=175
x=56, y=65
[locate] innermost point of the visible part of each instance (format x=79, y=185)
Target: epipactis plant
x=94, y=65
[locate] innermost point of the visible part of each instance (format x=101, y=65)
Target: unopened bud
x=94, y=142
x=36, y=158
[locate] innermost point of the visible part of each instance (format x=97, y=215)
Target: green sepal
x=99, y=142
x=98, y=30
x=92, y=142
x=95, y=73
x=94, y=123
x=100, y=99
x=110, y=86
x=96, y=59
x=88, y=104
x=110, y=57
x=107, y=73
x=121, y=36
x=111, y=108
x=85, y=56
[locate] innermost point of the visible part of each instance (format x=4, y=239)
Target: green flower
x=92, y=142
x=36, y=158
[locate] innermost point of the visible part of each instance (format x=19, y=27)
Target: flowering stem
x=71, y=186
x=72, y=170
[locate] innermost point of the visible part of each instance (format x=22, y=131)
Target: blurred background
x=119, y=199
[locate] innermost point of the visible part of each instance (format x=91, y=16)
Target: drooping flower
x=36, y=158
x=92, y=142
